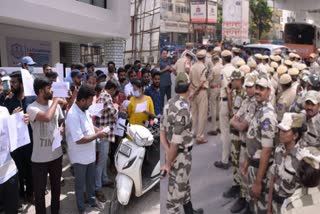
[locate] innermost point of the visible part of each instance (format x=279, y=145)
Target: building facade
x=65, y=31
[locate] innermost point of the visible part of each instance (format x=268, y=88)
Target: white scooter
x=137, y=161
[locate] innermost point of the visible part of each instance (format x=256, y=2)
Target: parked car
x=266, y=49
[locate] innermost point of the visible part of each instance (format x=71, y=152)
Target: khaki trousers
x=199, y=110
x=225, y=131
x=214, y=107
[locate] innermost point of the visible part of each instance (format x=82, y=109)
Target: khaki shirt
x=225, y=78
x=214, y=77
x=209, y=63
x=198, y=74
x=285, y=101
x=182, y=65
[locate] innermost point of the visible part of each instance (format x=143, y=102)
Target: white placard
x=18, y=131
x=59, y=70
x=27, y=81
x=60, y=89
x=141, y=107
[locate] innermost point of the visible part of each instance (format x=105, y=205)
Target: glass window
x=98, y=3
x=93, y=54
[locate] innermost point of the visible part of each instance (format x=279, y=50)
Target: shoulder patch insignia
x=266, y=124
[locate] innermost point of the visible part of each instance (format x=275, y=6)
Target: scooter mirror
x=123, y=115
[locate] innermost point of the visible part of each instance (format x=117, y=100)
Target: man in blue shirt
x=154, y=92
x=165, y=77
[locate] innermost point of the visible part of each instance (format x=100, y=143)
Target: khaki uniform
x=260, y=134
x=297, y=105
x=237, y=98
x=246, y=112
x=199, y=104
x=312, y=136
x=284, y=169
x=303, y=200
x=182, y=65
x=224, y=118
x=235, y=60
x=209, y=64
x=314, y=65
x=261, y=68
x=285, y=101
x=176, y=122
x=214, y=78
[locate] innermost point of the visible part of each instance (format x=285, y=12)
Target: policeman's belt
x=185, y=149
x=224, y=98
x=278, y=198
x=256, y=162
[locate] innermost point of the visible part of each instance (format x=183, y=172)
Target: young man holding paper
x=108, y=119
x=81, y=138
x=22, y=155
x=45, y=117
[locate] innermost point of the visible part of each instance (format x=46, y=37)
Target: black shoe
x=247, y=211
x=233, y=192
x=221, y=165
x=188, y=209
x=239, y=205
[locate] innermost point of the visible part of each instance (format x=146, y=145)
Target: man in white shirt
x=128, y=89
x=81, y=136
x=45, y=116
x=9, y=192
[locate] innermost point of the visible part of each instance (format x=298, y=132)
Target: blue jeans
x=84, y=177
x=101, y=165
x=164, y=91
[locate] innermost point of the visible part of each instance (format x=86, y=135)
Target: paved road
x=147, y=204
x=207, y=182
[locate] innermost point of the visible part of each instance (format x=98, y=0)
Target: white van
x=266, y=49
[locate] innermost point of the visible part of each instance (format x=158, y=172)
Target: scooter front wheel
x=115, y=206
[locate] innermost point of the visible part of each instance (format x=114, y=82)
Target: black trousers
x=22, y=158
x=40, y=172
x=10, y=195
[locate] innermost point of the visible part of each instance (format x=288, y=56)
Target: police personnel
x=287, y=96
x=199, y=98
x=260, y=144
x=240, y=121
x=286, y=160
x=306, y=198
x=176, y=137
x=236, y=95
x=224, y=117
x=214, y=84
x=311, y=106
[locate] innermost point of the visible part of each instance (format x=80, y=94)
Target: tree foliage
x=261, y=17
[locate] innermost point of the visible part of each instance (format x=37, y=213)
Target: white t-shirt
x=7, y=165
x=78, y=125
x=43, y=133
x=128, y=89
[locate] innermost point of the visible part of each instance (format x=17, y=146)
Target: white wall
x=69, y=16
x=34, y=34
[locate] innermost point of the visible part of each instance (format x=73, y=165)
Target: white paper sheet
x=59, y=70
x=141, y=107
x=4, y=139
x=125, y=103
x=96, y=109
x=27, y=81
x=57, y=139
x=119, y=131
x=60, y=89
x=18, y=131
x=106, y=129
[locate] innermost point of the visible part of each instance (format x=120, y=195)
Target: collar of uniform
x=315, y=118
x=252, y=99
x=264, y=103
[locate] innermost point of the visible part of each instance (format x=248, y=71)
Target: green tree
x=261, y=17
